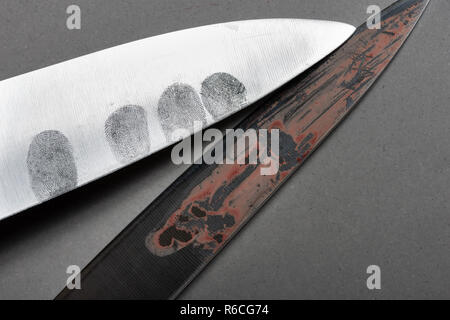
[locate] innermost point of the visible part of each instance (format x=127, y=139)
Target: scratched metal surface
x=85, y=118
x=162, y=250
x=366, y=206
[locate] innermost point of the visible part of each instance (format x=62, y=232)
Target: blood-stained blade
x=66, y=125
x=166, y=246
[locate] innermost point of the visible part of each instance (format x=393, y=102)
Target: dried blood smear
x=222, y=202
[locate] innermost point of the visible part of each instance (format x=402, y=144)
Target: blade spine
x=121, y=45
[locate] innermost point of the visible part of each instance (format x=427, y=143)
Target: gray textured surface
x=377, y=192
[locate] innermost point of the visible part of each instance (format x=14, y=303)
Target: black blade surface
x=172, y=240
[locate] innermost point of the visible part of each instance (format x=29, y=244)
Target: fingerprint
x=178, y=108
x=127, y=133
x=222, y=94
x=51, y=165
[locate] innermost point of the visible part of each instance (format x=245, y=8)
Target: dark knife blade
x=169, y=243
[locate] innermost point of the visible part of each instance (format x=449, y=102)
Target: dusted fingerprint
x=51, y=165
x=178, y=108
x=222, y=94
x=127, y=133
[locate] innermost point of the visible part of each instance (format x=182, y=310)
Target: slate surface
x=377, y=192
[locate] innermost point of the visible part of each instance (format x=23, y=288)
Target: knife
x=172, y=241
x=71, y=123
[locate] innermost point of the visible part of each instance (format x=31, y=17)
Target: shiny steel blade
x=158, y=254
x=68, y=124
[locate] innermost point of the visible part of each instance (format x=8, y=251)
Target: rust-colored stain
x=305, y=113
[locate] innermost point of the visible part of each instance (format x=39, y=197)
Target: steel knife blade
x=71, y=123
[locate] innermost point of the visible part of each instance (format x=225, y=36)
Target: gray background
x=377, y=191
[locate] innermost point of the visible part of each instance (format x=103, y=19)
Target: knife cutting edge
x=168, y=244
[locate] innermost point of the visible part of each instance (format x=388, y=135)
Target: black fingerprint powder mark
x=222, y=93
x=178, y=108
x=127, y=133
x=51, y=165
